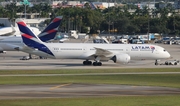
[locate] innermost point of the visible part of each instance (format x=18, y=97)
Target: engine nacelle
x=121, y=58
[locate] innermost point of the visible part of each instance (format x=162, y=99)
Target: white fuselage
x=9, y=43
x=85, y=51
x=8, y=31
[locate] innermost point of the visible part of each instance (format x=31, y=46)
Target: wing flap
x=102, y=54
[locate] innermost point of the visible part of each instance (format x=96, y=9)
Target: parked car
x=25, y=58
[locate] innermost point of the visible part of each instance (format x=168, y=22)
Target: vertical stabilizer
x=32, y=40
x=51, y=30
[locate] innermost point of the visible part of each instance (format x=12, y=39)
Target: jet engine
x=121, y=58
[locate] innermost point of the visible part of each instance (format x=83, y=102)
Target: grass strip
x=171, y=80
x=78, y=71
x=98, y=101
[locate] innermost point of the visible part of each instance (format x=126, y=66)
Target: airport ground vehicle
x=172, y=62
x=25, y=58
x=2, y=51
x=168, y=62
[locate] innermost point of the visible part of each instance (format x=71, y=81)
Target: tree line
x=114, y=20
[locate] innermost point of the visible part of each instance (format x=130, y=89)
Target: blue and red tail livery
x=50, y=31
x=30, y=39
x=26, y=32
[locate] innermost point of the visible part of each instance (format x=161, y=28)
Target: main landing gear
x=97, y=63
x=87, y=62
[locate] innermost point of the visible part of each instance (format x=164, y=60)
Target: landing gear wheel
x=94, y=63
x=87, y=62
x=166, y=63
x=156, y=62
x=84, y=62
x=175, y=63
x=97, y=64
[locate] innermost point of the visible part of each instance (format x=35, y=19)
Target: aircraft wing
x=19, y=48
x=7, y=31
x=103, y=54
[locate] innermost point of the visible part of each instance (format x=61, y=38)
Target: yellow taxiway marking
x=59, y=86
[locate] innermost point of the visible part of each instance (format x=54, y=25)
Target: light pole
x=108, y=20
x=148, y=23
x=25, y=3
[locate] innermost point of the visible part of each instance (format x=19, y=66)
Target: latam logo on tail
x=143, y=48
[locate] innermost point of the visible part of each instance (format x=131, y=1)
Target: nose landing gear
x=157, y=62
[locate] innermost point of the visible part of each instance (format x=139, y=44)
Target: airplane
x=119, y=53
x=13, y=43
x=9, y=31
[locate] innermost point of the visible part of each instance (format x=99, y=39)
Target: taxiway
x=11, y=61
x=80, y=90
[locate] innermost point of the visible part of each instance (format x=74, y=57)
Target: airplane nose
x=168, y=55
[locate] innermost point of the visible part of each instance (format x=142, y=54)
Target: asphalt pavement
x=11, y=61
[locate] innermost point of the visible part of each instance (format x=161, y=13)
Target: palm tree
x=43, y=9
x=138, y=12
x=2, y=12
x=35, y=9
x=11, y=10
x=87, y=5
x=20, y=9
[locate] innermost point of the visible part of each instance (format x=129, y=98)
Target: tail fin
x=27, y=35
x=31, y=40
x=50, y=31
